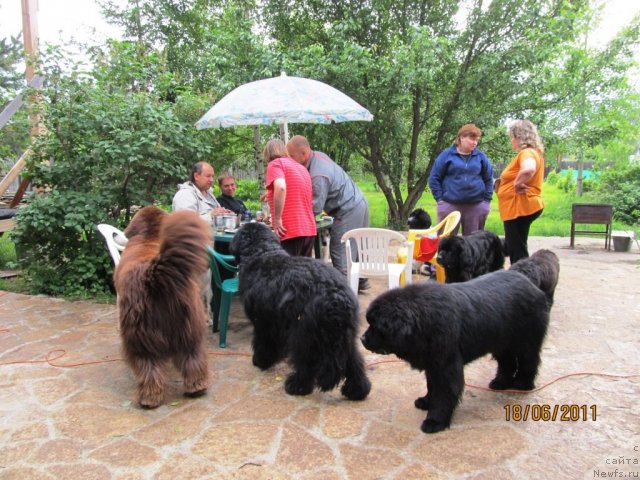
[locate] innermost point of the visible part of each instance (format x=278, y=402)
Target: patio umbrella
x=283, y=100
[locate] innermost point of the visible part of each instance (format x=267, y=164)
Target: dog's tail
x=182, y=256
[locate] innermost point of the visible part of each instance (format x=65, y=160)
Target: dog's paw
x=294, y=386
x=149, y=397
x=422, y=402
x=523, y=384
x=356, y=390
x=195, y=394
x=433, y=426
x=262, y=363
x=501, y=383
x=149, y=403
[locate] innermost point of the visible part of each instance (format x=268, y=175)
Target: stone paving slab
x=73, y=417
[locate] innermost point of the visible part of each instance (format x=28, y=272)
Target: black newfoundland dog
x=438, y=328
x=543, y=269
x=464, y=258
x=300, y=308
x=162, y=315
x=419, y=219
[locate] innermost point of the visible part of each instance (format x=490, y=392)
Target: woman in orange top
x=520, y=187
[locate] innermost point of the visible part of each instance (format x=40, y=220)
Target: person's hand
x=220, y=211
x=278, y=227
x=521, y=188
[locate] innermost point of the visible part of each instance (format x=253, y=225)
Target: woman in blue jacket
x=462, y=179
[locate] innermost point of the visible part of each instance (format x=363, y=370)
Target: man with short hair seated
x=227, y=199
x=196, y=194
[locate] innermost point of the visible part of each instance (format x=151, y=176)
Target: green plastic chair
x=223, y=291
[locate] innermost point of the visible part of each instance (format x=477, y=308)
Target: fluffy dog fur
x=464, y=258
x=419, y=219
x=543, y=269
x=439, y=328
x=300, y=308
x=161, y=312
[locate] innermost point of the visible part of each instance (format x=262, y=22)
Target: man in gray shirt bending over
x=335, y=193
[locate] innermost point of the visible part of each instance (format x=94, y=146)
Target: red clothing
x=297, y=214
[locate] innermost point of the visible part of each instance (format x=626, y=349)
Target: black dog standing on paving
x=301, y=309
x=438, y=328
x=542, y=269
x=464, y=258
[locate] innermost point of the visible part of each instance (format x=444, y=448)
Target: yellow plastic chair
x=447, y=225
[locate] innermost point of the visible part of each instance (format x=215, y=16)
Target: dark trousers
x=516, y=235
x=299, y=246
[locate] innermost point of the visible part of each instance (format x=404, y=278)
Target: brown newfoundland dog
x=162, y=315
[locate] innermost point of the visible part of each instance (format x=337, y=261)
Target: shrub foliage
x=106, y=151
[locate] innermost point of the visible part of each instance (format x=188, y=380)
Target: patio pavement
x=74, y=418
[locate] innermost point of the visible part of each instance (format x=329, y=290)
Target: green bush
x=7, y=252
x=249, y=193
x=566, y=182
x=107, y=152
x=620, y=186
x=552, y=177
x=58, y=248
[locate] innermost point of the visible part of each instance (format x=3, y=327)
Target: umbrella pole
x=257, y=140
x=284, y=132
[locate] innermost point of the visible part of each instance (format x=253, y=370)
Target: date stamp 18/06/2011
x=542, y=412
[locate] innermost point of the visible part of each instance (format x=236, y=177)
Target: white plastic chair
x=375, y=257
x=116, y=241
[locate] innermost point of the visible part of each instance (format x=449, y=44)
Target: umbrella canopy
x=283, y=100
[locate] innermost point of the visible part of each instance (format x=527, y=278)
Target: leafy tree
x=423, y=72
x=10, y=56
x=108, y=150
x=15, y=134
x=596, y=95
x=123, y=136
x=208, y=46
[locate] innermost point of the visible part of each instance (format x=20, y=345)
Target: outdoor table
x=321, y=225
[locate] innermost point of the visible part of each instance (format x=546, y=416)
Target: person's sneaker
x=363, y=285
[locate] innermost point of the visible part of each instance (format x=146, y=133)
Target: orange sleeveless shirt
x=513, y=205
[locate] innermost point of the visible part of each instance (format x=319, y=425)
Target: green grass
x=8, y=261
x=554, y=221
x=16, y=285
x=7, y=253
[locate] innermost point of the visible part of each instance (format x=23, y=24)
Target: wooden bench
x=592, y=213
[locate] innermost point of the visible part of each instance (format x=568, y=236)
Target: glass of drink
x=218, y=221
